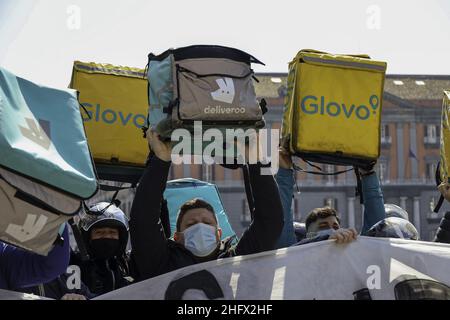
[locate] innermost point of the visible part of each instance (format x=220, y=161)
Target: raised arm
x=285, y=180
x=148, y=240
x=265, y=229
x=373, y=200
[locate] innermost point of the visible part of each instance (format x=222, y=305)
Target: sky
x=40, y=39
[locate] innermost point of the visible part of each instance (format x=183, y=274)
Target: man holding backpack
x=324, y=223
x=197, y=237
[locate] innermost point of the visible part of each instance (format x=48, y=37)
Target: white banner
x=377, y=268
x=12, y=295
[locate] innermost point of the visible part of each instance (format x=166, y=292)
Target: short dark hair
x=321, y=213
x=193, y=204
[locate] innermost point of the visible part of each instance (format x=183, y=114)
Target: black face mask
x=104, y=248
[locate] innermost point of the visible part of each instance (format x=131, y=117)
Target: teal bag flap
x=159, y=76
x=181, y=190
x=42, y=136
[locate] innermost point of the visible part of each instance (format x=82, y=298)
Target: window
x=282, y=91
x=329, y=179
x=431, y=133
x=207, y=172
x=431, y=170
x=275, y=80
x=330, y=202
x=383, y=171
x=431, y=215
x=432, y=203
x=385, y=137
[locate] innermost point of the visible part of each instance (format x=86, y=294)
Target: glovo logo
x=314, y=105
x=98, y=114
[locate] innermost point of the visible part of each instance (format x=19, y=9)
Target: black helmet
x=101, y=215
x=300, y=230
x=393, y=227
x=392, y=210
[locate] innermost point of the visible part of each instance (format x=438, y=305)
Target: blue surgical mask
x=200, y=239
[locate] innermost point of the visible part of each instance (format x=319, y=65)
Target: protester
x=197, y=237
x=393, y=227
x=20, y=268
x=393, y=210
x=104, y=229
x=105, y=265
x=443, y=231
x=324, y=223
x=59, y=288
x=444, y=189
x=285, y=181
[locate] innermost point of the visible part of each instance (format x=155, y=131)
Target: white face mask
x=200, y=239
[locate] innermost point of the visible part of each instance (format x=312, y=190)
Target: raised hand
x=162, y=150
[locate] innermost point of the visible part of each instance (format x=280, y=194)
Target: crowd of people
x=105, y=264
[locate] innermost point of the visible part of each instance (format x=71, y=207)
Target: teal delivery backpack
x=181, y=190
x=46, y=168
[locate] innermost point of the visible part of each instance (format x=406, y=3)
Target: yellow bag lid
x=360, y=61
x=106, y=68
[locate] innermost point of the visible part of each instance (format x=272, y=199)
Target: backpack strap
x=248, y=190
x=84, y=255
x=437, y=177
x=299, y=169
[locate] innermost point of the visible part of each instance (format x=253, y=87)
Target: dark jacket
x=102, y=276
x=57, y=288
x=20, y=268
x=155, y=254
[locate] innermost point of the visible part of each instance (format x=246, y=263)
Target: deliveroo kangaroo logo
x=225, y=93
x=310, y=105
x=29, y=230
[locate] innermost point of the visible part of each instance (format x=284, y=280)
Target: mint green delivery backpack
x=46, y=168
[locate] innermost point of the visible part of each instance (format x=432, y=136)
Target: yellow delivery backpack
x=445, y=139
x=443, y=168
x=333, y=108
x=115, y=100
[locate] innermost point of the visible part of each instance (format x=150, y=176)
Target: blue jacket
x=20, y=268
x=285, y=181
x=372, y=195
